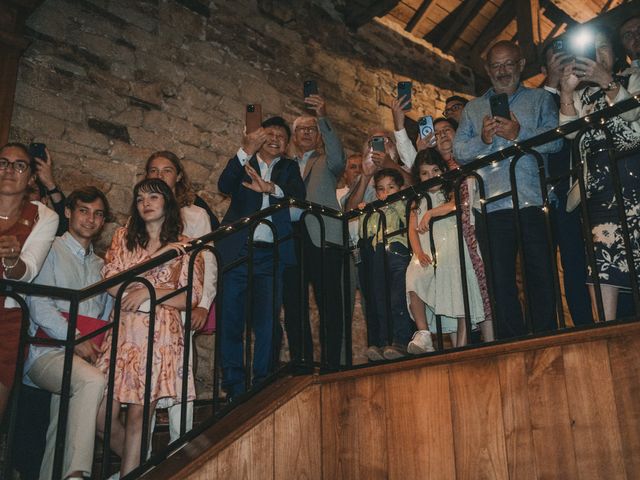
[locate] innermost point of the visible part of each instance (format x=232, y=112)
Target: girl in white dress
x=434, y=282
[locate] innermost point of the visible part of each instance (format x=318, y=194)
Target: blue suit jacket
x=245, y=202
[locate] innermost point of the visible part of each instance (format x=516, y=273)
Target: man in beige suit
x=321, y=158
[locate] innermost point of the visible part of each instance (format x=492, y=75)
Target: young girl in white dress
x=434, y=282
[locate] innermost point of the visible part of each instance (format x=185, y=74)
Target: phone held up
x=377, y=144
x=404, y=90
x=425, y=127
x=253, y=117
x=500, y=106
x=38, y=150
x=309, y=87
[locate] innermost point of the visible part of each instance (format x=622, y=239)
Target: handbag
x=573, y=195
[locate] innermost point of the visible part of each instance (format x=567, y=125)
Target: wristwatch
x=611, y=85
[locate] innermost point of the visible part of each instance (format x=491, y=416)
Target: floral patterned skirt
x=131, y=358
x=609, y=250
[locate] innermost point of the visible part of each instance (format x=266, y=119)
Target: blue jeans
x=383, y=329
x=234, y=303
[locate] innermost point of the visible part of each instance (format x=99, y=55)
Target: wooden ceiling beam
x=503, y=17
x=529, y=36
x=420, y=15
x=360, y=12
x=461, y=20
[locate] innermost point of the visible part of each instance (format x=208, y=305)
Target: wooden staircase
x=557, y=407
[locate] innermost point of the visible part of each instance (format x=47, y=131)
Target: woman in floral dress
x=602, y=89
x=153, y=229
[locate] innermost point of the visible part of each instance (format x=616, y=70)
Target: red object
x=85, y=325
x=210, y=325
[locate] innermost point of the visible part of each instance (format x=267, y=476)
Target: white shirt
x=263, y=233
x=196, y=224
x=36, y=246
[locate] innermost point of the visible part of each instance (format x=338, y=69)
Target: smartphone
x=404, y=90
x=310, y=87
x=37, y=150
x=253, y=117
x=500, y=106
x=377, y=144
x=585, y=49
x=425, y=126
x=558, y=46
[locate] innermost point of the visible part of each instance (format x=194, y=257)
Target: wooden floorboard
x=593, y=410
x=516, y=415
x=624, y=357
x=419, y=421
x=480, y=451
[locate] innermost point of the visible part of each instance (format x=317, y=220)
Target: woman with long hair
x=153, y=229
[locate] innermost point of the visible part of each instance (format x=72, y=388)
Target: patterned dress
x=610, y=255
x=469, y=234
x=168, y=338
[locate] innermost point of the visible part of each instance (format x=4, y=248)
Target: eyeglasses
x=453, y=108
x=508, y=65
x=19, y=166
x=311, y=129
x=629, y=34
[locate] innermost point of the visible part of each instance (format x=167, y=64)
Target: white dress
x=439, y=284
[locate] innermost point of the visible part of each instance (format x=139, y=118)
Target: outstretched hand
x=257, y=183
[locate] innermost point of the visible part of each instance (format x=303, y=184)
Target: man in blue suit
x=256, y=177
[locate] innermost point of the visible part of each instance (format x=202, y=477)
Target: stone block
x=196, y=171
x=49, y=102
x=110, y=129
x=88, y=138
x=129, y=154
x=36, y=122
x=176, y=129
x=111, y=171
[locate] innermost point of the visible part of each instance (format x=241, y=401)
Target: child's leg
x=133, y=437
x=486, y=328
x=459, y=338
x=398, y=258
x=418, y=312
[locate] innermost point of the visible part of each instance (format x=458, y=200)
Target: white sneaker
x=420, y=343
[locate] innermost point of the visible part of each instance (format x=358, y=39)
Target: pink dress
x=168, y=348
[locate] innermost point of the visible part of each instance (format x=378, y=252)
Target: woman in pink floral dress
x=153, y=229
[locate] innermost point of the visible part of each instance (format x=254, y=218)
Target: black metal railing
x=218, y=407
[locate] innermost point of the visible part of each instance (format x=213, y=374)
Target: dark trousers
x=236, y=300
x=500, y=236
x=384, y=290
x=31, y=431
x=567, y=231
x=329, y=297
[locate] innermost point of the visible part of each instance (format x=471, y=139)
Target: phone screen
x=310, y=87
x=377, y=144
x=37, y=150
x=425, y=126
x=404, y=90
x=500, y=106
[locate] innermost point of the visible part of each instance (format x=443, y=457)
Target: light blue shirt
x=68, y=265
x=263, y=233
x=537, y=113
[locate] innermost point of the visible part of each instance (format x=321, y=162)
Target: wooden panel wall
x=566, y=410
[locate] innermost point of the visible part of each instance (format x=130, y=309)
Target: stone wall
x=106, y=82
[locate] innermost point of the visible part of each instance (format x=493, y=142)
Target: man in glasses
x=319, y=154
x=453, y=107
x=531, y=112
x=630, y=38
